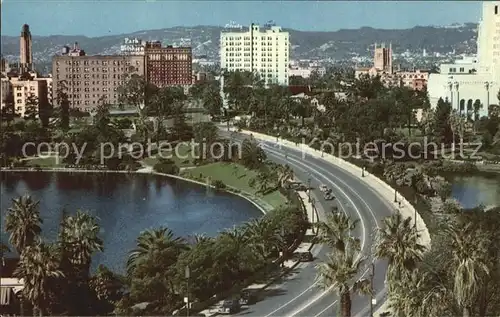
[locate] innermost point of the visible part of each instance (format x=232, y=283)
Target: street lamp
x=363, y=171
x=309, y=188
x=283, y=246
x=187, y=274
x=373, y=301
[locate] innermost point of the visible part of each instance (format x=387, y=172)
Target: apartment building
x=25, y=87
x=264, y=51
x=87, y=79
x=168, y=66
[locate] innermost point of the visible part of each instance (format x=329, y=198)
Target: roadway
x=298, y=294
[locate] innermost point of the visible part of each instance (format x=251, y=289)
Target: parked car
x=323, y=187
x=247, y=298
x=306, y=256
x=228, y=307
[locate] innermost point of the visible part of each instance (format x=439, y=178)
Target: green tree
x=32, y=105
x=340, y=271
x=442, y=128
x=38, y=267
x=23, y=222
x=398, y=242
x=63, y=103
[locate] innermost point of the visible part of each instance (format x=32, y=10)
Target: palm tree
x=285, y=173
x=335, y=231
x=469, y=249
x=159, y=241
x=262, y=236
x=339, y=271
x=23, y=222
x=82, y=239
x=38, y=267
x=398, y=241
x=3, y=249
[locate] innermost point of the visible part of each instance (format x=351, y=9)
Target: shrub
x=166, y=166
x=218, y=184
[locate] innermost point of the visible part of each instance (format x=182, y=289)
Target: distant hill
x=340, y=44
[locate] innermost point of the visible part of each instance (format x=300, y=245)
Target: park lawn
x=237, y=176
x=45, y=162
x=182, y=150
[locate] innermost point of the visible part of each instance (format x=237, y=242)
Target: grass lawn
x=183, y=150
x=236, y=176
x=45, y=162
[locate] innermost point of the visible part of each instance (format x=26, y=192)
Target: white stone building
x=264, y=51
x=471, y=79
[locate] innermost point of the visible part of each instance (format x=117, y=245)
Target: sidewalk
x=288, y=265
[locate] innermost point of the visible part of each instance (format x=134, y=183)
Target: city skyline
x=134, y=16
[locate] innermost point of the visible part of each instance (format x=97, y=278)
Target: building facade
x=25, y=50
x=24, y=89
x=264, y=51
x=471, y=79
x=88, y=79
x=168, y=66
x=382, y=60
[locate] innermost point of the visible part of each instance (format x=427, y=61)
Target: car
x=323, y=187
x=228, y=307
x=328, y=191
x=329, y=197
x=305, y=256
x=247, y=298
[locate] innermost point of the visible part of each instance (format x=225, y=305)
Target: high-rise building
x=25, y=49
x=88, y=79
x=24, y=88
x=382, y=60
x=168, y=66
x=263, y=51
x=472, y=80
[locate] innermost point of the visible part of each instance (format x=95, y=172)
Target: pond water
x=471, y=191
x=126, y=204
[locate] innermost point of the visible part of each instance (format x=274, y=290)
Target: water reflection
x=126, y=205
x=471, y=191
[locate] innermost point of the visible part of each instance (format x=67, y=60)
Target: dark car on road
x=228, y=307
x=247, y=298
x=305, y=256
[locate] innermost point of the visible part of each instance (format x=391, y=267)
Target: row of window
x=169, y=57
x=97, y=62
x=248, y=38
x=255, y=43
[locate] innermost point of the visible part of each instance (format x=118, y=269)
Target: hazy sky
x=106, y=17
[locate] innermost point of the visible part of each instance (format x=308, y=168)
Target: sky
x=110, y=17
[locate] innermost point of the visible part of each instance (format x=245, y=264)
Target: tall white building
x=471, y=79
x=264, y=51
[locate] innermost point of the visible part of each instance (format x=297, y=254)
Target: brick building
x=168, y=66
x=89, y=78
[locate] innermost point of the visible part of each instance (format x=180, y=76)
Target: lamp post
x=143, y=122
x=282, y=252
x=415, y=211
x=309, y=188
x=395, y=195
x=187, y=274
x=363, y=171
x=373, y=301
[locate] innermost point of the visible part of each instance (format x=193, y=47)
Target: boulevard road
x=298, y=294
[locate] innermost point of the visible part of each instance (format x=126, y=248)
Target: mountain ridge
x=338, y=45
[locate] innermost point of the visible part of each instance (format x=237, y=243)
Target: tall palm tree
x=285, y=173
x=160, y=242
x=263, y=236
x=38, y=266
x=23, y=222
x=336, y=230
x=82, y=239
x=339, y=271
x=469, y=249
x=398, y=241
x=3, y=249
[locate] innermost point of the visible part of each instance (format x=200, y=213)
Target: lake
x=126, y=204
x=471, y=191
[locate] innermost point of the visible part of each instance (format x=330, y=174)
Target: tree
x=163, y=104
x=468, y=263
x=32, y=104
x=64, y=105
x=205, y=134
x=442, y=128
x=23, y=222
x=340, y=271
x=476, y=107
x=159, y=242
x=335, y=231
x=398, y=242
x=38, y=267
x=252, y=155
